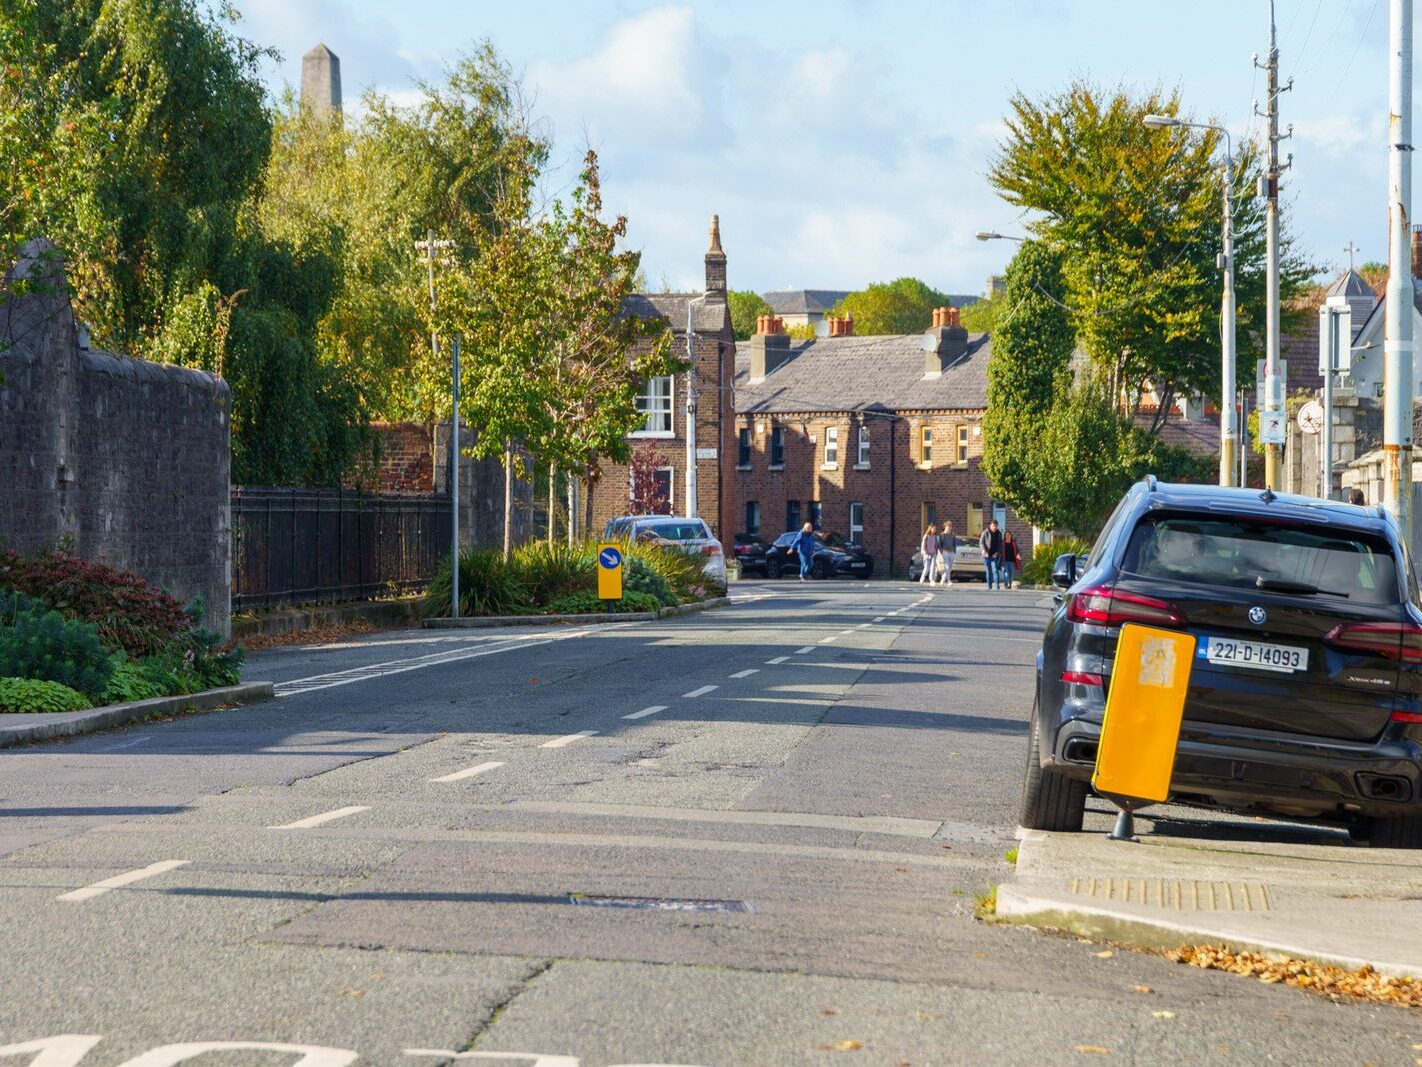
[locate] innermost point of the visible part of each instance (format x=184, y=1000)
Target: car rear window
x=1237, y=553
x=677, y=531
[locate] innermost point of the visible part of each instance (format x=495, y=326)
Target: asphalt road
x=747, y=837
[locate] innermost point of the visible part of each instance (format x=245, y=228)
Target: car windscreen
x=1237, y=553
x=676, y=531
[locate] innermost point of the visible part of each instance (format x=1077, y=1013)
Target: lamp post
x=1229, y=424
x=993, y=235
x=691, y=501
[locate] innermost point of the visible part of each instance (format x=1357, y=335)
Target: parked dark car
x=834, y=556
x=1305, y=698
x=750, y=553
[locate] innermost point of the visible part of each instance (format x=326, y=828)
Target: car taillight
x=1108, y=607
x=1082, y=678
x=1406, y=716
x=710, y=550
x=1395, y=640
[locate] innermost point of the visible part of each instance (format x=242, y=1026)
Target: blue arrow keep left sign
x=610, y=558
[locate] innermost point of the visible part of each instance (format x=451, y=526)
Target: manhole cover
x=658, y=903
x=1177, y=895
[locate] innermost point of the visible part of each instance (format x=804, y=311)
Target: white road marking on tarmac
x=559, y=742
x=777, y=659
x=802, y=651
x=864, y=626
x=827, y=640
x=746, y=673
x=879, y=619
x=126, y=744
x=324, y=817
x=700, y=692
x=468, y=772
x=646, y=711
x=120, y=880
x=296, y=686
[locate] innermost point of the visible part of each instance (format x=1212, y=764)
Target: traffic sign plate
x=610, y=557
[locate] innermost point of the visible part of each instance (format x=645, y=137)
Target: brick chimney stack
x=945, y=343
x=840, y=326
x=716, y=262
x=770, y=346
x=1416, y=253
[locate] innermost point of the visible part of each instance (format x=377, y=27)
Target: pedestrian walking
x=991, y=544
x=1355, y=497
x=805, y=546
x=1011, y=559
x=947, y=553
x=928, y=549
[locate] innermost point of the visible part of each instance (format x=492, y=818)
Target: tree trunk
x=552, y=502
x=508, y=500
x=588, y=507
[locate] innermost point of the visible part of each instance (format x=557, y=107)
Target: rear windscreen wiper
x=1283, y=585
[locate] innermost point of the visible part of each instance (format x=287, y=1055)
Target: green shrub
x=211, y=668
x=550, y=572
x=51, y=648
x=639, y=578
x=683, y=573
x=487, y=586
x=589, y=604
x=1038, y=570
x=130, y=682
x=13, y=602
x=35, y=695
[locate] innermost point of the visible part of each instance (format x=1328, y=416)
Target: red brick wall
x=406, y=460
x=951, y=487
x=715, y=369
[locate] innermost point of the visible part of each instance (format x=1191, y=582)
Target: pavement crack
x=537, y=971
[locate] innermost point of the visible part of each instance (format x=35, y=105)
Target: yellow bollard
x=1141, y=729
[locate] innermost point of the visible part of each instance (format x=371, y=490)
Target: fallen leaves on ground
x=840, y=1046
x=1106, y=954
x=323, y=635
x=1142, y=988
x=1092, y=1050
x=1332, y=982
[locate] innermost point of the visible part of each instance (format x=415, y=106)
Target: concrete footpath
x=46, y=726
x=1335, y=903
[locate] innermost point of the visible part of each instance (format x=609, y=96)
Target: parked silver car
x=687, y=534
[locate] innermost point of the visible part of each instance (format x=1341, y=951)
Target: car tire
x=818, y=570
x=868, y=572
x=1050, y=801
x=773, y=569
x=1398, y=831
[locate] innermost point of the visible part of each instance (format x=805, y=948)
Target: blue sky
x=845, y=141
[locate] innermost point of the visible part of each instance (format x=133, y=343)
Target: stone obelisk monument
x=321, y=80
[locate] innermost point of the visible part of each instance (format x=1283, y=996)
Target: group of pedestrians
x=1001, y=558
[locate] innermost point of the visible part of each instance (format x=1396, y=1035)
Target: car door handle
x=1057, y=598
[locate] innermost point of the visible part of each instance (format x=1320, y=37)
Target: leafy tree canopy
x=904, y=305
x=746, y=307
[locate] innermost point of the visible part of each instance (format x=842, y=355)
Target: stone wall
x=126, y=461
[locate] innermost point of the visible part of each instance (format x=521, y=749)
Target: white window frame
x=963, y=444
x=859, y=538
x=644, y=403
x=831, y=462
x=863, y=463
x=925, y=446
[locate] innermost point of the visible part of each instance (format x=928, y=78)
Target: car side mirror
x=1064, y=571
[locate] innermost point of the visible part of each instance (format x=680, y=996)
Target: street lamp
x=993, y=235
x=1229, y=423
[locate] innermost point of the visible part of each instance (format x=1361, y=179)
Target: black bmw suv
x=1305, y=698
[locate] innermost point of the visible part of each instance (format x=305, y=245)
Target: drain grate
x=658, y=903
x=1177, y=895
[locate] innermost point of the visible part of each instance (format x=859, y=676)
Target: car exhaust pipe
x=1384, y=787
x=1080, y=750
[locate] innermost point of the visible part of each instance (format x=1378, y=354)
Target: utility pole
x=691, y=504
x=1229, y=425
x=1397, y=325
x=454, y=485
x=1270, y=419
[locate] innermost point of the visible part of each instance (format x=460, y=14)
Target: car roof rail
x=1152, y=485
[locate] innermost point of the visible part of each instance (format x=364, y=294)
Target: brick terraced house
x=870, y=437
x=664, y=399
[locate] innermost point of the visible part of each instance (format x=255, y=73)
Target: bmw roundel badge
x=1258, y=616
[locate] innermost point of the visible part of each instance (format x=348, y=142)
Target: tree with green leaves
x=904, y=305
x=1028, y=373
x=1136, y=214
x=746, y=307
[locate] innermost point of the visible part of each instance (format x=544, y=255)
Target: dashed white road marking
x=864, y=626
x=827, y=640
x=324, y=817
x=777, y=659
x=879, y=619
x=700, y=692
x=468, y=772
x=126, y=744
x=646, y=711
x=802, y=651
x=296, y=686
x=120, y=880
x=746, y=673
x=559, y=742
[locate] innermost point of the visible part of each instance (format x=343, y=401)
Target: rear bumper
x=1272, y=772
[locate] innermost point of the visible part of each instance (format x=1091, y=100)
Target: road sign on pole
x=609, y=572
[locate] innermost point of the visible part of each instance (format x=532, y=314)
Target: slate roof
x=803, y=301
x=882, y=373
x=1198, y=436
x=1360, y=296
x=707, y=316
